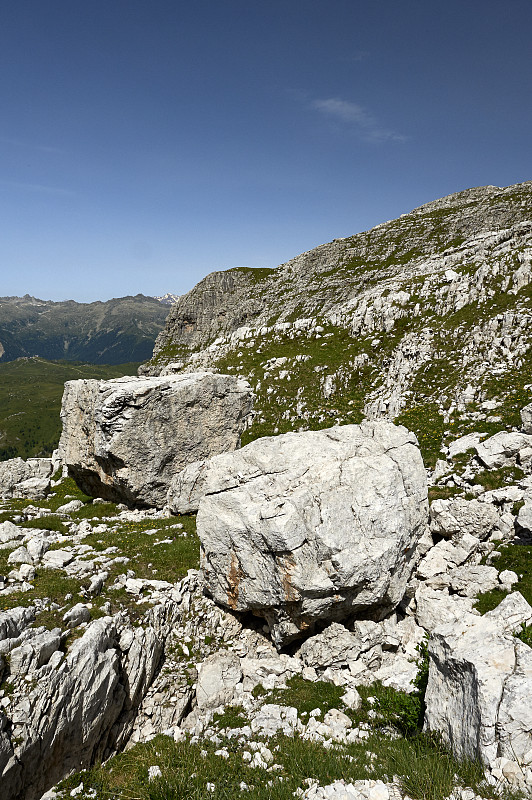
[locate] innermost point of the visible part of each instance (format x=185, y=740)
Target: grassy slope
x=30, y=401
x=297, y=400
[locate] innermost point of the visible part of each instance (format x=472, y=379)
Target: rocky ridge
x=425, y=319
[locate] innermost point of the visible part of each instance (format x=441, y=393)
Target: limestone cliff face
x=219, y=304
x=426, y=320
x=317, y=281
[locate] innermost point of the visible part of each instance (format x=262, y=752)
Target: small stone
x=154, y=772
x=76, y=616
x=508, y=577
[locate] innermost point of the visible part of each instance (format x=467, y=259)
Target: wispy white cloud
x=42, y=148
x=38, y=188
x=358, y=118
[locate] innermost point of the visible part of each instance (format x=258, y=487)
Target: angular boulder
x=526, y=418
x=501, y=448
x=31, y=478
x=125, y=439
x=314, y=526
x=452, y=518
x=480, y=683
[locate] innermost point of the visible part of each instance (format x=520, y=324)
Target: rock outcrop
x=198, y=315
x=29, y=478
x=125, y=439
x=83, y=705
x=478, y=693
x=314, y=526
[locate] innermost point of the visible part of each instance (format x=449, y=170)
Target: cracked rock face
x=314, y=526
x=125, y=439
x=79, y=707
x=478, y=693
x=29, y=478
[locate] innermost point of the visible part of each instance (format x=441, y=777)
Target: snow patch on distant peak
x=168, y=299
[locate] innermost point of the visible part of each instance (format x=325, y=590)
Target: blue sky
x=145, y=144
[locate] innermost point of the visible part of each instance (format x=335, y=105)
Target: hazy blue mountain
x=116, y=331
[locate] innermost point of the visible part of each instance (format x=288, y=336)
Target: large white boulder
x=31, y=478
x=480, y=684
x=125, y=439
x=314, y=526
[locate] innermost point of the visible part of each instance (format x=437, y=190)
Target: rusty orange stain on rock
x=233, y=579
x=286, y=567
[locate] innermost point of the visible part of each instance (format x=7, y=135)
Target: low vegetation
x=192, y=770
x=518, y=559
x=394, y=749
x=423, y=768
x=155, y=549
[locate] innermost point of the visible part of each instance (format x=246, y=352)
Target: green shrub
x=526, y=635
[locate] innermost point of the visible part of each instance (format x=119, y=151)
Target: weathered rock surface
x=499, y=449
x=224, y=302
x=29, y=478
x=83, y=704
x=480, y=679
x=524, y=519
x=526, y=418
x=187, y=488
x=382, y=302
x=125, y=439
x=453, y=518
x=217, y=679
x=316, y=525
x=13, y=621
x=335, y=646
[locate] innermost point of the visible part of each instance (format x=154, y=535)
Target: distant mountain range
x=116, y=331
